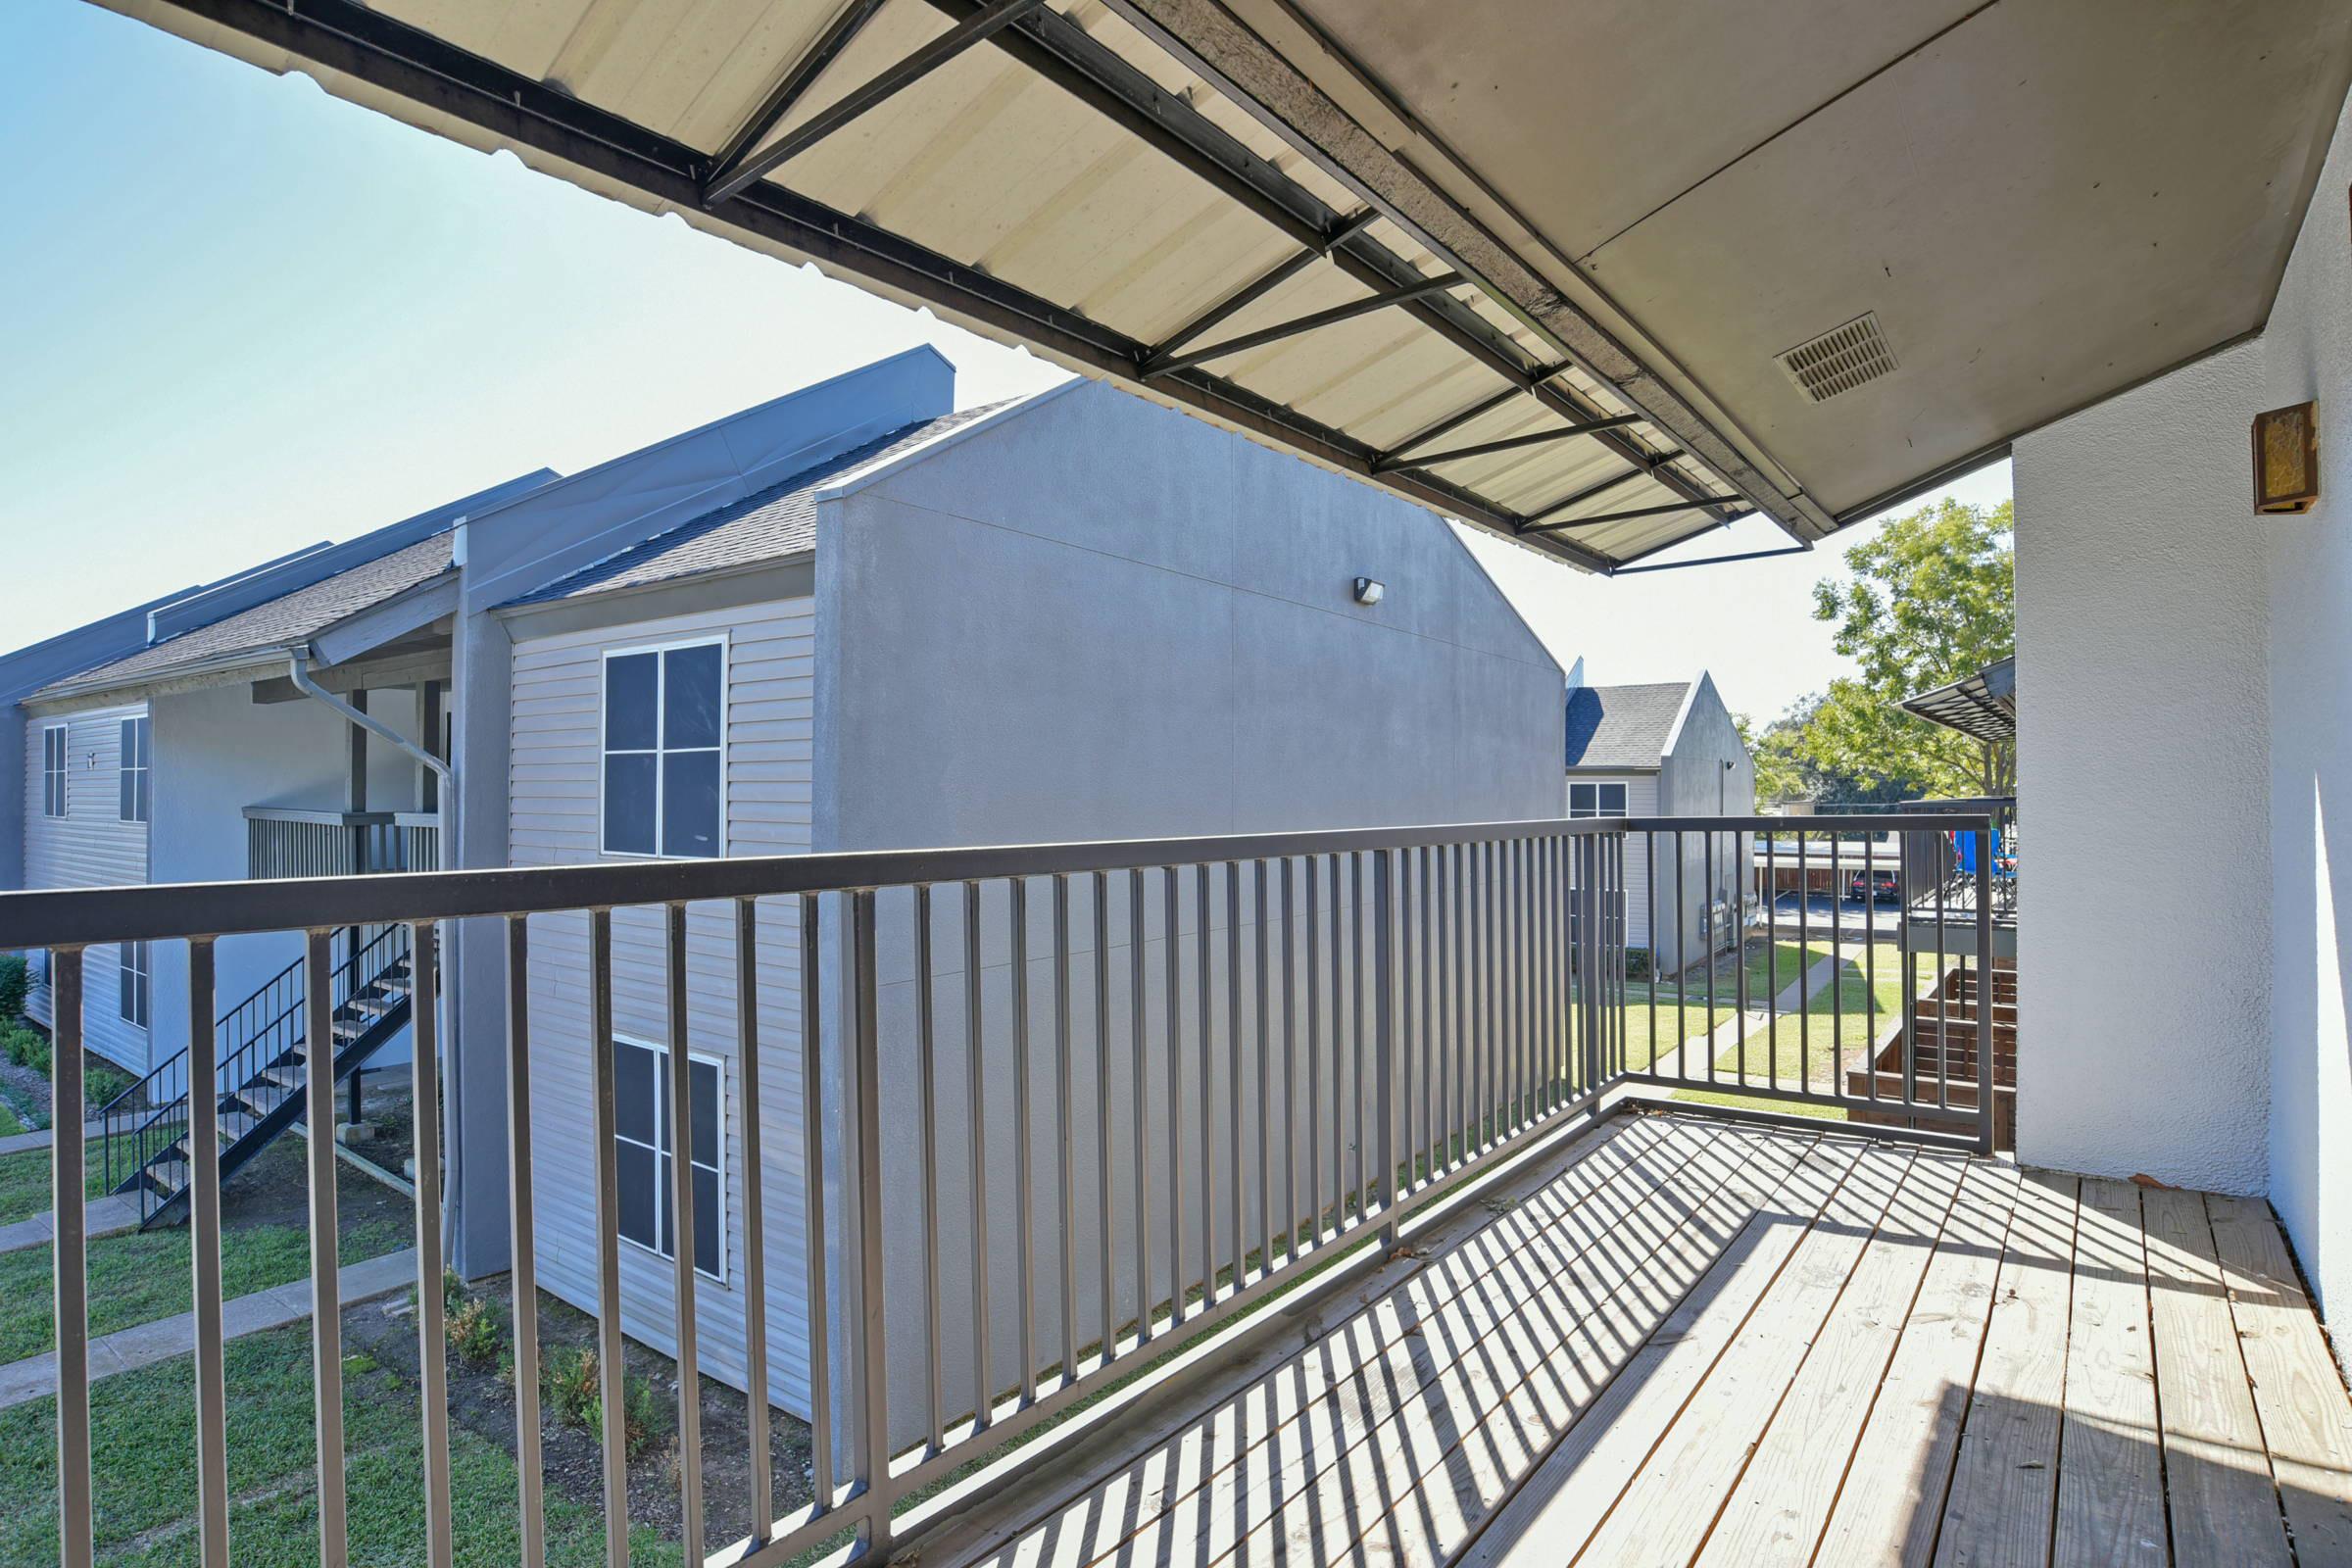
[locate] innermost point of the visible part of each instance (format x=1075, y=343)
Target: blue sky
x=244, y=316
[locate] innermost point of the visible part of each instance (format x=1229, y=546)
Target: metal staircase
x=264, y=1065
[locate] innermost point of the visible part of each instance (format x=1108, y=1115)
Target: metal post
x=68, y=1263
x=1986, y=1131
x=609, y=1369
x=872, y=1349
x=204, y=1250
x=326, y=1302
x=530, y=1475
x=758, y=1454
x=1384, y=964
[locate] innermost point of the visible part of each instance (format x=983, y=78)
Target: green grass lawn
x=144, y=1475
x=10, y=1125
x=140, y=1276
x=25, y=1183
x=1836, y=1027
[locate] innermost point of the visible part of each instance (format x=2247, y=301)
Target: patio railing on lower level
x=1053, y=1111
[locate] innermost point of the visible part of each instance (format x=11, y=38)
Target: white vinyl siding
x=556, y=758
x=90, y=845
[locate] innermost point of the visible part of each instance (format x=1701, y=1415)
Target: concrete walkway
x=1691, y=1063
x=110, y=1215
x=128, y=1349
x=38, y=1138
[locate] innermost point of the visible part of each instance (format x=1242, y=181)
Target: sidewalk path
x=1812, y=983
x=110, y=1215
x=38, y=1138
x=126, y=1350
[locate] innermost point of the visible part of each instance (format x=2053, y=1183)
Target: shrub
x=26, y=1048
x=1637, y=963
x=102, y=1081
x=477, y=1333
x=569, y=1386
x=15, y=980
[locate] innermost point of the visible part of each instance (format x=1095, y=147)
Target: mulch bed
x=481, y=1401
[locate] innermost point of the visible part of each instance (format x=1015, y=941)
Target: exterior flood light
x=2286, y=459
x=1369, y=590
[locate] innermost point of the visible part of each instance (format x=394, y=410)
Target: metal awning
x=1982, y=705
x=1535, y=265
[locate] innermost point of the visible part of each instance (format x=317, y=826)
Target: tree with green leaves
x=1933, y=598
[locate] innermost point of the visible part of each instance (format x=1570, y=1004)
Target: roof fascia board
x=224, y=669
x=760, y=582
x=1682, y=714
x=1606, y=771
x=898, y=463
x=618, y=505
x=406, y=612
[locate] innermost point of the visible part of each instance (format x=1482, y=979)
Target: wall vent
x=1840, y=359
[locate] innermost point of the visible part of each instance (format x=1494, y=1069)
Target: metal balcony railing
x=1202, y=1069
x=284, y=841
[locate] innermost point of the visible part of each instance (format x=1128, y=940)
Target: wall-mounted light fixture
x=1369, y=590
x=2286, y=459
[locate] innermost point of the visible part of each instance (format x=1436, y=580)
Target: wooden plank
x=1403, y=1352
x=2004, y=1479
x=1669, y=1507
x=1550, y=1518
x=1402, y=1492
x=2110, y=1474
x=1158, y=1471
x=2306, y=1418
x=1891, y=1501
x=1778, y=1511
x=2224, y=1505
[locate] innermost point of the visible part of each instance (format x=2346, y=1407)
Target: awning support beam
x=1642, y=512
x=1712, y=560
x=1615, y=421
x=1646, y=470
x=1454, y=422
x=1304, y=324
x=797, y=81
x=1258, y=287
x=990, y=18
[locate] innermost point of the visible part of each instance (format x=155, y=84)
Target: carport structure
x=1597, y=279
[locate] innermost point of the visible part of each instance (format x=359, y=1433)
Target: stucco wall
x=2307, y=352
x=2144, y=619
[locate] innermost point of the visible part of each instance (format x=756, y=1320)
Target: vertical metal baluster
x=1555, y=950
x=1490, y=971
x=1357, y=976
x=1649, y=916
x=69, y=1264
x=975, y=1071
x=1514, y=987
x=1465, y=1100
x=1314, y=1062
x=1173, y=953
x=1137, y=1039
x=1836, y=975
x=1986, y=1000
x=610, y=1367
x=1233, y=1064
x=1943, y=1046
x=1108, y=1305
x=1065, y=1131
x=812, y=1159
x=523, y=1243
x=1265, y=1100
x=204, y=1253
x=1869, y=960
x=758, y=1453
x=431, y=1331
x=1682, y=968
x=1385, y=1041
x=1425, y=961
x=1805, y=965
x=1474, y=975
x=1772, y=964
x=1289, y=1063
x=1024, y=1135
x=1906, y=1025
x=926, y=1150
x=326, y=1296
x=1204, y=957
x=681, y=1239
x=869, y=1341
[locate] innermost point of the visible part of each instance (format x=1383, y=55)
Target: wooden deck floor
x=1726, y=1345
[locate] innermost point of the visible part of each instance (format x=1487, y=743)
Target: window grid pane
x=665, y=716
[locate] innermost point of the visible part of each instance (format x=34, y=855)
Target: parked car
x=1874, y=887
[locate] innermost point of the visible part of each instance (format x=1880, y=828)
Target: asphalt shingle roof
x=767, y=525
x=1622, y=726
x=281, y=621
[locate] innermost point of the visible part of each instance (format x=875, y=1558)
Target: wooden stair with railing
x=1943, y=1030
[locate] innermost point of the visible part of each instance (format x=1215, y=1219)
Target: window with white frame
x=1597, y=800
x=53, y=770
x=131, y=979
x=641, y=1149
x=132, y=770
x=665, y=716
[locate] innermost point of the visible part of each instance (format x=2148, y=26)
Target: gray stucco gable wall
x=1168, y=607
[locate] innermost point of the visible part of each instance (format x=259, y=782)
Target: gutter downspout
x=298, y=660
